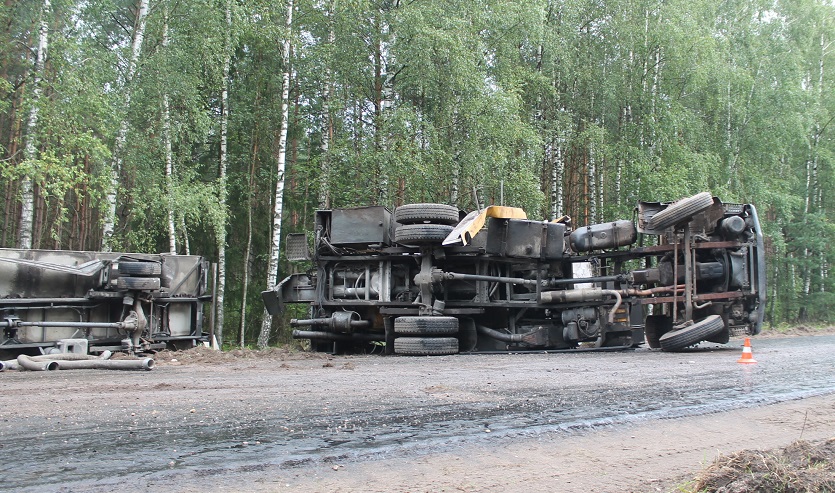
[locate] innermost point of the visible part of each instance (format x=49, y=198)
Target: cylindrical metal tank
x=602, y=236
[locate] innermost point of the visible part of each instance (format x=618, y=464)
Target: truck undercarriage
x=427, y=281
x=90, y=302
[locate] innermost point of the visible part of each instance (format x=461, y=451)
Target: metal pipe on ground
x=12, y=364
x=97, y=364
x=27, y=363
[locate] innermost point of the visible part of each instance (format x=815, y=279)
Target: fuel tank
x=603, y=236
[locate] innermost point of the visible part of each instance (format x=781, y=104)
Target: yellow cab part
x=474, y=221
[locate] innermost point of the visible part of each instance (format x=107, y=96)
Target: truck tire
x=680, y=210
x=426, y=346
x=655, y=327
x=140, y=269
x=426, y=326
x=676, y=340
x=421, y=234
x=429, y=213
x=138, y=283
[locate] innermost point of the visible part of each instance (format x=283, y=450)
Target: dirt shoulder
x=659, y=456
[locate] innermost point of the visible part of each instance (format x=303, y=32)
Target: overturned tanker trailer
x=427, y=281
x=90, y=302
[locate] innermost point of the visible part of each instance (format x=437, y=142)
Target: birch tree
x=222, y=185
x=169, y=159
x=278, y=200
x=327, y=117
x=30, y=149
x=109, y=224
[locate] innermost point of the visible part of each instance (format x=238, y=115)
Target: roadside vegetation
x=802, y=467
x=213, y=127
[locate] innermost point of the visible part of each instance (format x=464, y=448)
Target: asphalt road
x=92, y=430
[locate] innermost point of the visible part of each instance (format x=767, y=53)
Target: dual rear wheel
x=426, y=336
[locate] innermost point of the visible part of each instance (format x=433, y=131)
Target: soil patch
x=204, y=355
x=801, y=467
x=799, y=331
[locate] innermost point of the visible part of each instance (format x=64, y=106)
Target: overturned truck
x=427, y=281
x=90, y=302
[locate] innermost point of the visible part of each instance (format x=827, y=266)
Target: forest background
x=214, y=127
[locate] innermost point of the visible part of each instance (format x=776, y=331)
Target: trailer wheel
x=138, y=283
x=655, y=327
x=680, y=210
x=140, y=269
x=419, y=234
x=426, y=346
x=679, y=339
x=426, y=326
x=430, y=213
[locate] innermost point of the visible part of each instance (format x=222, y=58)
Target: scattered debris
x=202, y=354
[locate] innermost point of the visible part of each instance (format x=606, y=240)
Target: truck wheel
x=140, y=269
x=655, y=327
x=426, y=326
x=430, y=213
x=680, y=210
x=138, y=283
x=426, y=346
x=699, y=331
x=420, y=234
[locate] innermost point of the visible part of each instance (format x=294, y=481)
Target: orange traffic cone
x=747, y=355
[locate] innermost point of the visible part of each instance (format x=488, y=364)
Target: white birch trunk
x=272, y=269
x=824, y=269
x=729, y=137
x=600, y=184
x=30, y=150
x=327, y=122
x=592, y=179
x=221, y=228
x=121, y=138
x=550, y=164
x=455, y=185
x=559, y=176
x=169, y=160
x=169, y=173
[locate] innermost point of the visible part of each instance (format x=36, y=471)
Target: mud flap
x=272, y=301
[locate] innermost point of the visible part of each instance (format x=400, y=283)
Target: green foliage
x=428, y=102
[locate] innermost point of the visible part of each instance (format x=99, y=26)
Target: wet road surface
x=95, y=430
